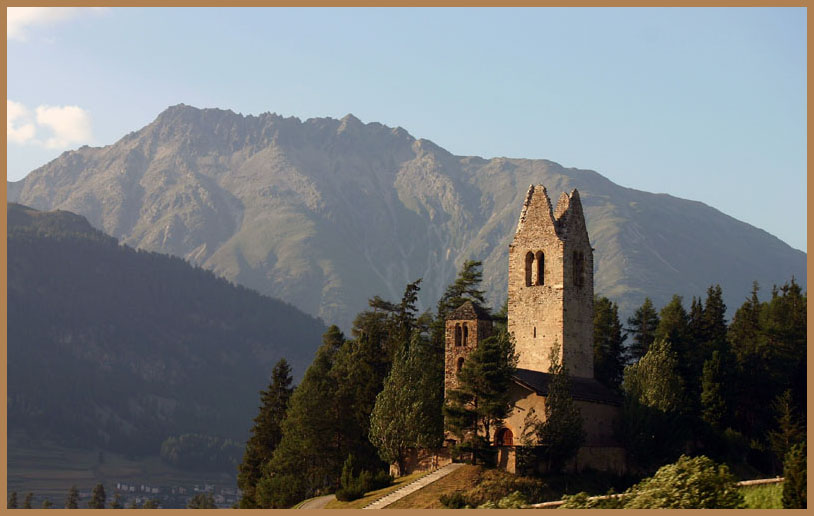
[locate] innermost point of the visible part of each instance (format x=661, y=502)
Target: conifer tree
x=714, y=381
x=266, y=432
x=12, y=500
x=714, y=320
x=29, y=498
x=303, y=460
x=794, y=473
x=466, y=287
x=97, y=497
x=562, y=432
x=674, y=328
x=72, y=502
x=609, y=360
x=47, y=504
x=789, y=428
x=642, y=326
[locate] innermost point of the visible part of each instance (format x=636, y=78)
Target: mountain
x=115, y=348
x=327, y=213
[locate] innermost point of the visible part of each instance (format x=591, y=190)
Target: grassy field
x=49, y=470
x=428, y=497
x=375, y=495
x=763, y=497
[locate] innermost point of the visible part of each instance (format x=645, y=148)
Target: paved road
x=318, y=503
x=413, y=486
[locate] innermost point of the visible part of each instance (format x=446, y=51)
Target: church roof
x=584, y=389
x=469, y=311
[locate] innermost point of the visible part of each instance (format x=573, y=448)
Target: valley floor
x=49, y=470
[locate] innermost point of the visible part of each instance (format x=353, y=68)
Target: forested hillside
x=120, y=349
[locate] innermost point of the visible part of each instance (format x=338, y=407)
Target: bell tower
x=551, y=287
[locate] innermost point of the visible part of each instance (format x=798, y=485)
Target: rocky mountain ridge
x=326, y=213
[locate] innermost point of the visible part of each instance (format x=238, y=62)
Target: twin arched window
x=461, y=335
x=535, y=268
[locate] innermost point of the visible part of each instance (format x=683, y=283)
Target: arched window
x=457, y=334
x=504, y=437
x=466, y=335
x=529, y=262
x=460, y=365
x=579, y=268
x=540, y=268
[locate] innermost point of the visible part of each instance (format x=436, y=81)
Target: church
x=550, y=304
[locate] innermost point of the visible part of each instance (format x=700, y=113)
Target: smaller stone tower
x=551, y=284
x=466, y=326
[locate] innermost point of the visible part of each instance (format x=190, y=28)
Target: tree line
x=691, y=382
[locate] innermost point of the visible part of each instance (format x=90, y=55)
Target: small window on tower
x=457, y=334
x=579, y=268
x=460, y=364
x=540, y=268
x=529, y=267
x=535, y=332
x=466, y=335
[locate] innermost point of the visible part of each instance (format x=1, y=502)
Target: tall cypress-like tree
x=97, y=497
x=12, y=500
x=29, y=499
x=562, y=432
x=609, y=359
x=407, y=413
x=266, y=432
x=642, y=327
x=652, y=423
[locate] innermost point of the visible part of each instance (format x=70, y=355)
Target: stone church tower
x=551, y=284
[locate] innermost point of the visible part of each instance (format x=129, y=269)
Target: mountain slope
x=327, y=213
x=116, y=348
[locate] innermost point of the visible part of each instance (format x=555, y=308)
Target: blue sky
x=706, y=104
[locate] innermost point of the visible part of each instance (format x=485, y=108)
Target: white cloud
x=20, y=19
x=19, y=127
x=64, y=126
x=69, y=124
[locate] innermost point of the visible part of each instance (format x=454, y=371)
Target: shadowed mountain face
x=327, y=213
x=117, y=348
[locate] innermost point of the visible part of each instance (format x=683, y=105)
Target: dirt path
x=317, y=503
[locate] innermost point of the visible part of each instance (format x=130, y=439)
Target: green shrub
x=455, y=500
x=689, y=483
x=516, y=500
x=581, y=501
